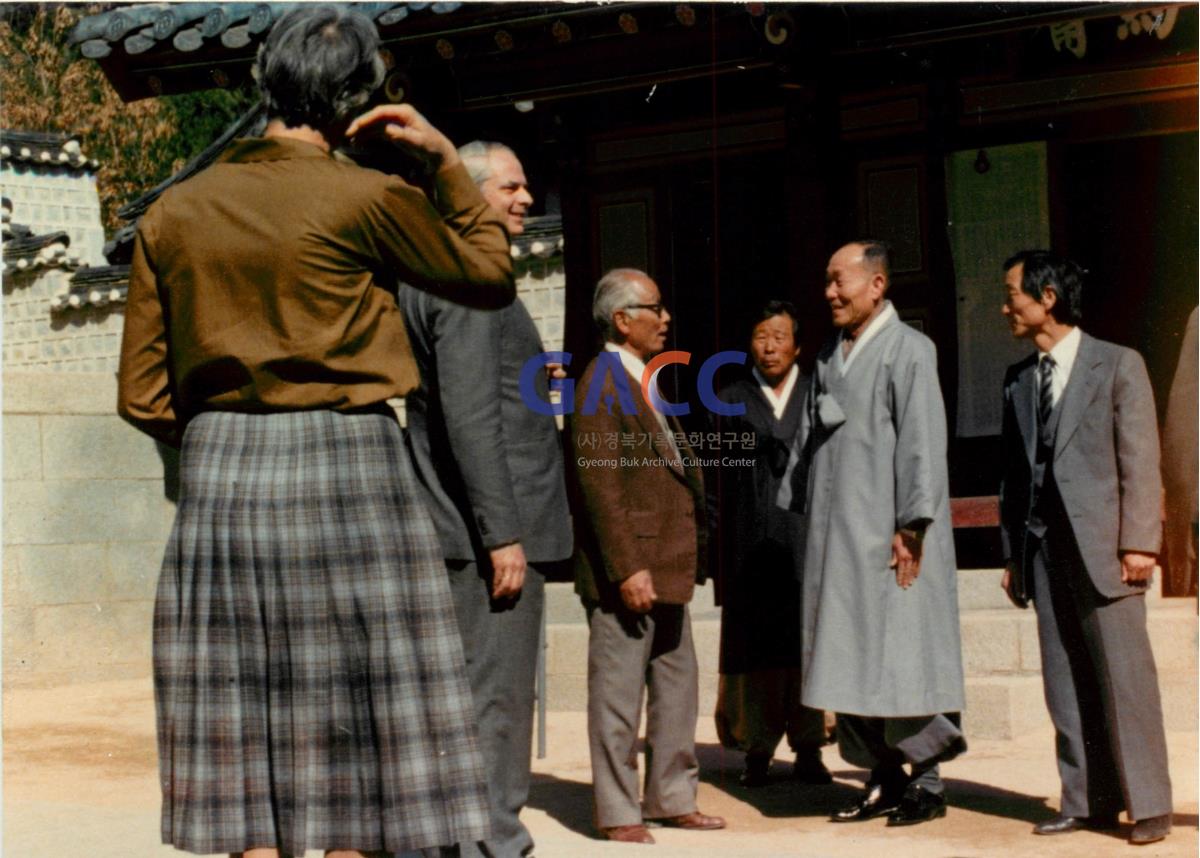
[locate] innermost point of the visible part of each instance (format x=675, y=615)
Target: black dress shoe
x=755, y=773
x=810, y=769
x=878, y=800
x=1150, y=830
x=1067, y=824
x=918, y=805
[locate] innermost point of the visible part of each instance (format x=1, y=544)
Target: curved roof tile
x=49, y=150
x=93, y=287
x=541, y=239
x=189, y=25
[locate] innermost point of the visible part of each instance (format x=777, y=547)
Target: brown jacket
x=644, y=509
x=266, y=283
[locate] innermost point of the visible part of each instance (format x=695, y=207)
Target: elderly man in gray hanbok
x=880, y=637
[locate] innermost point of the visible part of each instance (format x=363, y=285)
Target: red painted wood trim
x=975, y=512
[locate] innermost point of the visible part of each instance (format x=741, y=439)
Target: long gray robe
x=870, y=648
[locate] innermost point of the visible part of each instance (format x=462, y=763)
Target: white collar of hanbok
x=885, y=315
x=778, y=402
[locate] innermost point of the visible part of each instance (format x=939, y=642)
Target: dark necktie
x=1045, y=391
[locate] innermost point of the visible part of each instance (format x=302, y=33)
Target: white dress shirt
x=637, y=368
x=1064, y=353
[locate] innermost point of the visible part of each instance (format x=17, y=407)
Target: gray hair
x=877, y=255
x=616, y=290
x=318, y=65
x=477, y=158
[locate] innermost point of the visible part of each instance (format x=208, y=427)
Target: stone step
x=1004, y=641
x=995, y=640
x=1180, y=691
x=978, y=589
x=998, y=707
x=566, y=664
x=1000, y=655
x=1004, y=707
x=563, y=605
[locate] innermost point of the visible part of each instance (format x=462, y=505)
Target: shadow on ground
x=570, y=802
x=783, y=797
x=567, y=802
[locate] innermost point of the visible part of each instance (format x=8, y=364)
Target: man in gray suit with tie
x=1081, y=525
x=493, y=476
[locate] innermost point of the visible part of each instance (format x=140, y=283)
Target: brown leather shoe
x=1150, y=830
x=627, y=834
x=694, y=821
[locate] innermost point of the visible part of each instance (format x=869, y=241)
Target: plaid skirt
x=308, y=671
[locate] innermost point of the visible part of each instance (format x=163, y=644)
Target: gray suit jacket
x=1106, y=460
x=491, y=467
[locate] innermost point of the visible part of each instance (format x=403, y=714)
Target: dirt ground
x=80, y=780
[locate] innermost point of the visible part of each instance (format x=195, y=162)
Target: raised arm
x=454, y=246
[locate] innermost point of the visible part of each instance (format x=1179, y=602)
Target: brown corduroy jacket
x=642, y=508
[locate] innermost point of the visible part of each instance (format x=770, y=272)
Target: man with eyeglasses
x=640, y=546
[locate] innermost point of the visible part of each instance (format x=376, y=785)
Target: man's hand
x=508, y=570
x=1136, y=568
x=906, y=556
x=637, y=592
x=555, y=371
x=403, y=125
x=1007, y=581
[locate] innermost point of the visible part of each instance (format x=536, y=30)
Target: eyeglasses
x=657, y=309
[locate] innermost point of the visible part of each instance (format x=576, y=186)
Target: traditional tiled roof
x=10, y=229
x=25, y=252
x=495, y=53
x=93, y=287
x=188, y=27
x=452, y=53
x=541, y=239
x=49, y=150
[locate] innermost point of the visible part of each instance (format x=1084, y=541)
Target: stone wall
x=44, y=327
x=85, y=520
x=49, y=198
x=86, y=512
x=542, y=287
x=38, y=337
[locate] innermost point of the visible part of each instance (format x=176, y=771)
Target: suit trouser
x=500, y=645
x=885, y=744
x=1101, y=689
x=627, y=654
x=756, y=709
